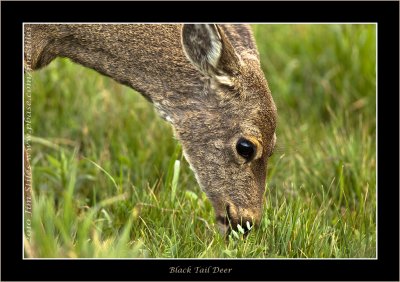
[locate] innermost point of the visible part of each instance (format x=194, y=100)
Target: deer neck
x=157, y=69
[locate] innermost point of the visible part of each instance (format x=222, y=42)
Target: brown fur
x=210, y=104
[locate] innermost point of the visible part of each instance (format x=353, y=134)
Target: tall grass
x=109, y=179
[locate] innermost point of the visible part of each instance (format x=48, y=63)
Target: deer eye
x=245, y=148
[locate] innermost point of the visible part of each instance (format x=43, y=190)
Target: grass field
x=109, y=180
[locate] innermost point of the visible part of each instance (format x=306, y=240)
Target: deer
x=203, y=79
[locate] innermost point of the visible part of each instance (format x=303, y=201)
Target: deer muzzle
x=234, y=216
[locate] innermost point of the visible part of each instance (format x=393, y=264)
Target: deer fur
x=204, y=79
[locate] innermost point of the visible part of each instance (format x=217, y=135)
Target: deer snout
x=234, y=216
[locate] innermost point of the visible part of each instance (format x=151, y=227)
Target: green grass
x=109, y=180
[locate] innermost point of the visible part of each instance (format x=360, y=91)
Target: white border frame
x=253, y=23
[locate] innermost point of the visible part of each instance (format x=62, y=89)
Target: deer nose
x=234, y=216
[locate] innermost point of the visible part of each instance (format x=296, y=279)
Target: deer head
x=229, y=131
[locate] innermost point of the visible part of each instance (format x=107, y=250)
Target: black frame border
x=386, y=267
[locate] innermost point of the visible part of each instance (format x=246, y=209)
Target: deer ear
x=210, y=51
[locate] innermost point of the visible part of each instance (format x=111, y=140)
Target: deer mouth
x=228, y=222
